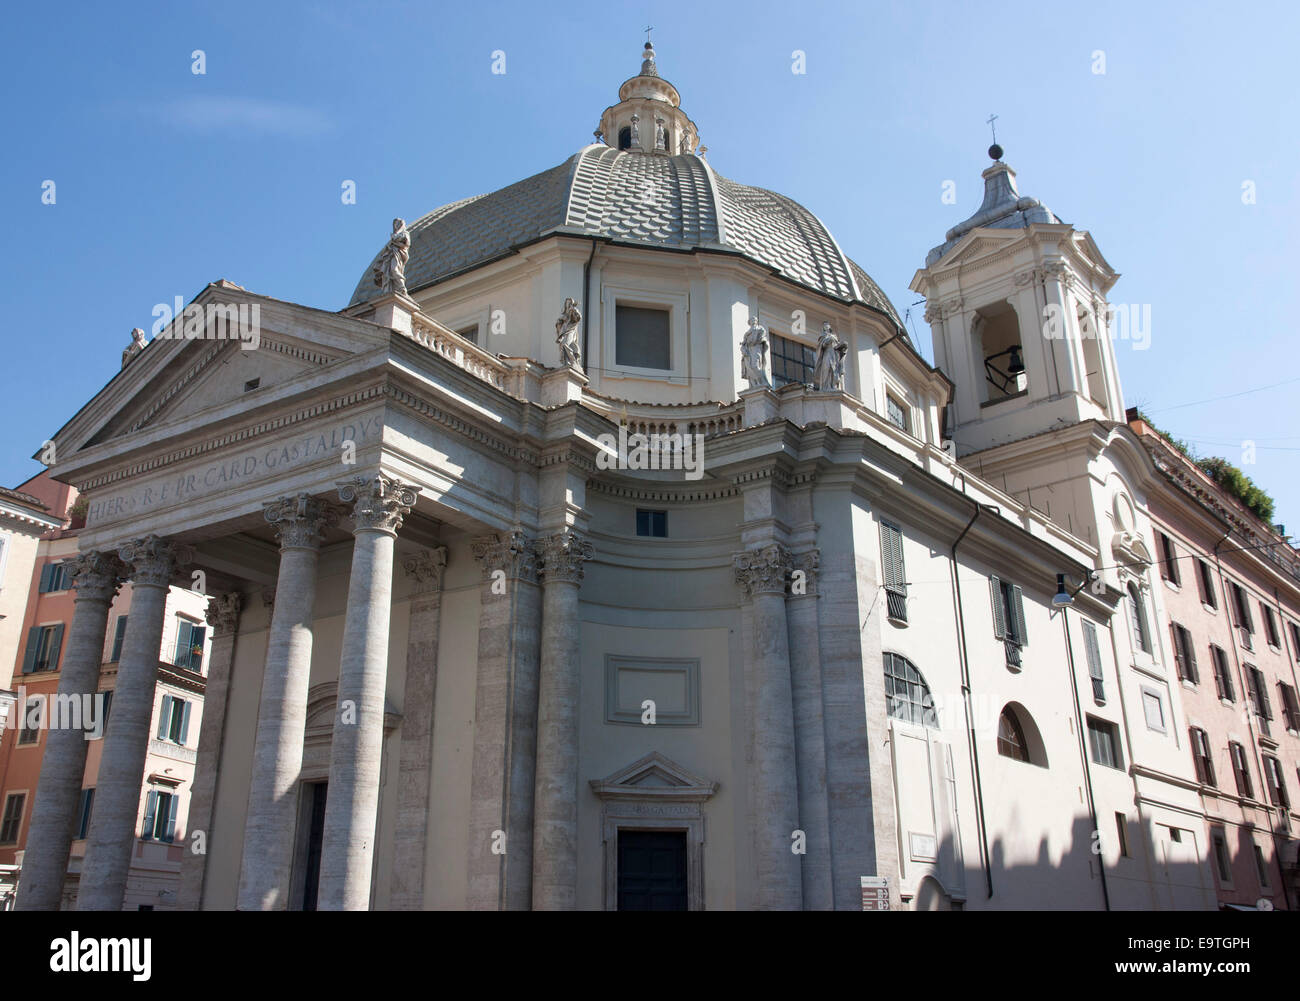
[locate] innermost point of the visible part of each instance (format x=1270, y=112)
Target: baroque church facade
x=895, y=634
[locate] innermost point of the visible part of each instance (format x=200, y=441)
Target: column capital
x=96, y=576
x=379, y=502
x=562, y=556
x=425, y=567
x=223, y=612
x=300, y=521
x=154, y=560
x=763, y=570
x=512, y=552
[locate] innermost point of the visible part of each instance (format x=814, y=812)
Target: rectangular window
x=1093, y=651
x=653, y=524
x=13, y=818
x=1168, y=559
x=641, y=337
x=43, y=646
x=1270, y=626
x=189, y=645
x=33, y=711
x=1184, y=653
x=1241, y=608
x=1241, y=770
x=174, y=720
x=119, y=634
x=1103, y=742
x=470, y=333
x=1221, y=858
x=1201, y=756
x=1259, y=697
x=1154, y=709
x=1277, y=793
x=55, y=577
x=891, y=558
x=83, y=814
x=896, y=413
x=1121, y=829
x=1222, y=675
x=1206, y=579
x=1290, y=710
x=792, y=362
x=160, y=816
x=1261, y=867
x=1009, y=617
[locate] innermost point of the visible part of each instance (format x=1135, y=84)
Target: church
x=872, y=632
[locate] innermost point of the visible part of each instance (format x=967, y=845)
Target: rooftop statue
x=134, y=348
x=566, y=334
x=829, y=370
x=753, y=355
x=390, y=271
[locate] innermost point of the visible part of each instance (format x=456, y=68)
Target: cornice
x=666, y=493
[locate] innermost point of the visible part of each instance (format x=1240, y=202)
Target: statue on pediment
x=566, y=334
x=390, y=270
x=753, y=355
x=828, y=373
x=135, y=347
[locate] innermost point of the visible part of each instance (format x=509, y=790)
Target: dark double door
x=652, y=870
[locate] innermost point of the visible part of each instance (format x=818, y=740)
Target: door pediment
x=654, y=777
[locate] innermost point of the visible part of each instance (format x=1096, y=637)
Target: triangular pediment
x=654, y=777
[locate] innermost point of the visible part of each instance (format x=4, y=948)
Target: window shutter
x=1018, y=609
x=171, y=804
x=891, y=545
x=33, y=644
x=1093, y=651
x=118, y=636
x=56, y=644
x=1190, y=649
x=150, y=810
x=164, y=717
x=999, y=620
x=185, y=721
x=1265, y=706
x=47, y=572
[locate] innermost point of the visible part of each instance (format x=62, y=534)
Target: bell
x=1016, y=364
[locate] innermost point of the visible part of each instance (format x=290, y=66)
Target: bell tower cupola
x=648, y=117
x=1016, y=302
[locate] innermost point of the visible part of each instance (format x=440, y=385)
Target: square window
x=896, y=413
x=641, y=337
x=1103, y=741
x=792, y=362
x=1154, y=708
x=653, y=524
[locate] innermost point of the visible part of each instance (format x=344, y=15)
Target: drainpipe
x=966, y=699
x=586, y=293
x=1083, y=753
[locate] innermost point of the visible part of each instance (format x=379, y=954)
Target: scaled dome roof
x=629, y=197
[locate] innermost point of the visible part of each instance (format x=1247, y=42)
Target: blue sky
x=167, y=180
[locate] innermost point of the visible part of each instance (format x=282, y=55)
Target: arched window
x=1137, y=609
x=1011, y=738
x=906, y=693
x=625, y=137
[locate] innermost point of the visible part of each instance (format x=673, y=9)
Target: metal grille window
x=792, y=362
x=906, y=693
x=1205, y=577
x=1241, y=770
x=1093, y=651
x=1103, y=743
x=1184, y=653
x=1222, y=676
x=1169, y=559
x=1009, y=618
x=891, y=558
x=1201, y=756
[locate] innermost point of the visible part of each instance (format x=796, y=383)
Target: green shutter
x=118, y=637
x=56, y=645
x=170, y=805
x=999, y=620
x=150, y=811
x=185, y=721
x=1190, y=652
x=47, y=572
x=1018, y=610
x=33, y=644
x=164, y=717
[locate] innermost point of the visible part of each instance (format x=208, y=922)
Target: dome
x=628, y=197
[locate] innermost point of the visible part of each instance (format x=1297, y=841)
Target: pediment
x=976, y=244
x=322, y=707
x=654, y=777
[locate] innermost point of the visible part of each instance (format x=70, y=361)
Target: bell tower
x=648, y=117
x=1016, y=302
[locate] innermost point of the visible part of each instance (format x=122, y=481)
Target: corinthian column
x=411, y=836
x=96, y=578
x=762, y=574
x=356, y=754
x=223, y=617
x=555, y=823
x=153, y=562
x=505, y=726
x=299, y=523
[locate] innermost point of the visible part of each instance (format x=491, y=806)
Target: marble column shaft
x=356, y=753
x=763, y=573
x=282, y=713
x=223, y=617
x=96, y=578
x=505, y=726
x=415, y=761
x=112, y=837
x=555, y=814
